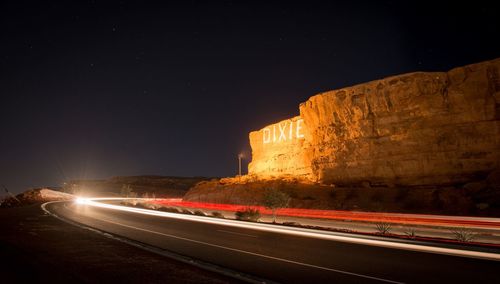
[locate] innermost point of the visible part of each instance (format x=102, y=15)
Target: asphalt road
x=282, y=257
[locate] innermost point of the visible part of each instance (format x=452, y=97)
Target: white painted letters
x=280, y=133
x=266, y=135
x=299, y=127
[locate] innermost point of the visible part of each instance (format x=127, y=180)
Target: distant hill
x=160, y=186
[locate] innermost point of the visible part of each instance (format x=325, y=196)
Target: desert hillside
x=472, y=199
x=159, y=186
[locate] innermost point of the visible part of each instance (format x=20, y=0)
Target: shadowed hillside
x=159, y=186
x=477, y=198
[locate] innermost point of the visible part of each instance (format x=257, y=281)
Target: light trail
x=301, y=232
x=399, y=218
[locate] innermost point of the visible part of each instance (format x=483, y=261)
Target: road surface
x=282, y=257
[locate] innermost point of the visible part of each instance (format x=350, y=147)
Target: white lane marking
x=256, y=254
x=185, y=259
x=235, y=233
x=303, y=232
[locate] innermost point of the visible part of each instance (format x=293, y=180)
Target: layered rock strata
x=423, y=128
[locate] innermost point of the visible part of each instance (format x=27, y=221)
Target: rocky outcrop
x=415, y=129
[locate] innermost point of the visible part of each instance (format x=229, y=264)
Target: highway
x=278, y=254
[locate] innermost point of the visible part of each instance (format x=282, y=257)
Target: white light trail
x=293, y=231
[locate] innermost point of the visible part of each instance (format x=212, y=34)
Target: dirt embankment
x=475, y=199
x=33, y=196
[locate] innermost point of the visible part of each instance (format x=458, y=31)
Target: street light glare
x=81, y=200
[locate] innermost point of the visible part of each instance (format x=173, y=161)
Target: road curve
x=280, y=256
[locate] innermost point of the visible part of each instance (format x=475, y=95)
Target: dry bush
x=383, y=227
x=249, y=214
x=217, y=214
x=463, y=235
x=410, y=233
x=199, y=213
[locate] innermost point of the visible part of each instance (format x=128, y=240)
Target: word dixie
x=283, y=131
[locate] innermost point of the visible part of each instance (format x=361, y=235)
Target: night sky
x=94, y=89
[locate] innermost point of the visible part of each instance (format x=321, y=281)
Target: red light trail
x=414, y=219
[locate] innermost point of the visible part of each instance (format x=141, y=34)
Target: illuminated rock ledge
x=414, y=129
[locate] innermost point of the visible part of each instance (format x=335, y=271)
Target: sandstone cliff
x=415, y=129
x=278, y=149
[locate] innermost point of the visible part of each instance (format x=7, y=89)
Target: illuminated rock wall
x=280, y=149
x=413, y=129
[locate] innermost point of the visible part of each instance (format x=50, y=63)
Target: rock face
x=415, y=129
x=280, y=149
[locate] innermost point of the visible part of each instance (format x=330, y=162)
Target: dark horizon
x=94, y=90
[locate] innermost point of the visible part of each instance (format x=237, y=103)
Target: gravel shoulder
x=36, y=247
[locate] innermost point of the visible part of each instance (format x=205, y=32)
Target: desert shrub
x=126, y=190
x=249, y=214
x=292, y=193
x=141, y=205
x=274, y=200
x=383, y=227
x=463, y=235
x=199, y=213
x=169, y=209
x=410, y=233
x=186, y=211
x=129, y=202
x=217, y=214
